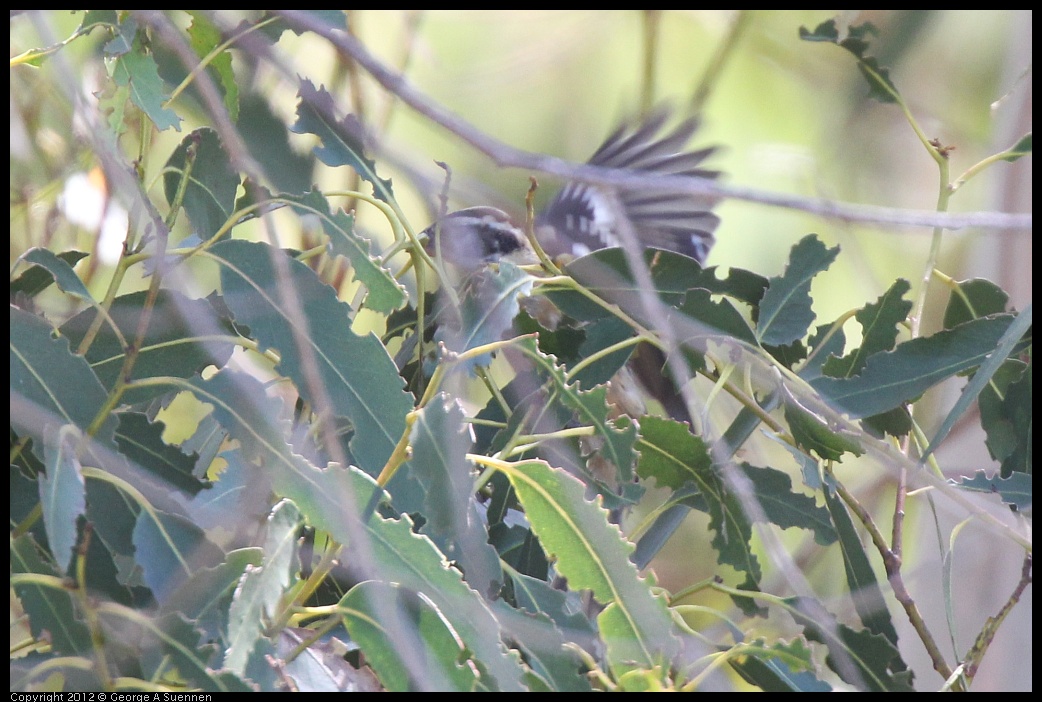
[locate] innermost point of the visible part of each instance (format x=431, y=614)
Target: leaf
x=440, y=440
x=780, y=667
x=142, y=442
x=287, y=307
x=52, y=614
x=892, y=378
x=973, y=299
x=488, y=305
x=385, y=293
x=62, y=491
x=860, y=658
x=429, y=660
x=856, y=42
x=636, y=626
x=1018, y=150
x=341, y=140
x=675, y=458
x=287, y=170
x=51, y=385
x=137, y=71
x=209, y=198
x=262, y=588
x=879, y=326
x=183, y=337
x=204, y=37
x=170, y=549
x=1014, y=490
x=814, y=433
x=785, y=310
x=52, y=267
x=334, y=498
x=1006, y=411
x=865, y=592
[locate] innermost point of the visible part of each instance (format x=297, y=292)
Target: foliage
x=341, y=515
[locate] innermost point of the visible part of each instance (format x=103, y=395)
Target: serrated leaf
x=204, y=37
x=1006, y=411
x=675, y=458
x=332, y=500
x=205, y=598
x=385, y=293
x=1014, y=490
x=262, y=588
x=700, y=318
x=183, y=337
x=590, y=552
x=431, y=660
x=856, y=42
x=785, y=312
x=288, y=308
x=543, y=639
x=142, y=442
x=865, y=592
x=51, y=611
x=62, y=491
x=879, y=326
x=209, y=198
x=341, y=139
x=268, y=136
x=781, y=667
x=892, y=378
x=137, y=71
x=860, y=658
x=440, y=441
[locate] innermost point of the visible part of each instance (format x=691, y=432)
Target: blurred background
x=789, y=117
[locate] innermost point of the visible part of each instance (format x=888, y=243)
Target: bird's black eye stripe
x=497, y=240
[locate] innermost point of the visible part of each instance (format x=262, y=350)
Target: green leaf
x=895, y=377
x=440, y=441
x=385, y=293
x=772, y=490
x=879, y=326
x=488, y=305
x=170, y=549
x=287, y=170
x=856, y=42
x=204, y=37
x=675, y=458
x=1006, y=411
x=543, y=639
x=51, y=385
x=780, y=667
x=332, y=500
x=262, y=588
x=973, y=299
x=209, y=198
x=636, y=626
x=430, y=660
x=52, y=614
x=814, y=433
x=865, y=592
x=785, y=310
x=1021, y=148
x=60, y=269
x=62, y=491
x=341, y=139
x=860, y=658
x=142, y=442
x=205, y=598
x=183, y=337
x=137, y=71
x=287, y=307
x=1014, y=490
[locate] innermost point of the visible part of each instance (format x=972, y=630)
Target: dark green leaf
x=62, y=491
x=342, y=140
x=287, y=170
x=785, y=311
x=895, y=377
x=1014, y=490
x=142, y=442
x=813, y=433
x=52, y=614
x=170, y=549
x=879, y=326
x=183, y=337
x=209, y=198
x=287, y=307
x=57, y=268
x=782, y=667
x=429, y=660
x=1021, y=148
x=973, y=299
x=856, y=42
x=39, y=277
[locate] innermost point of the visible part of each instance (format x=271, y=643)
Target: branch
x=505, y=155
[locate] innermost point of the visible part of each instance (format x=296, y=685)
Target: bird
x=585, y=217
